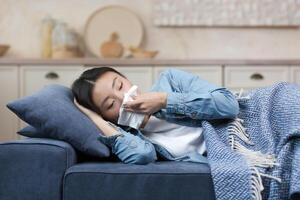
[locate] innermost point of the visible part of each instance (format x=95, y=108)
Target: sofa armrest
x=33, y=168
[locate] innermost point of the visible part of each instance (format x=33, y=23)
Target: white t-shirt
x=177, y=139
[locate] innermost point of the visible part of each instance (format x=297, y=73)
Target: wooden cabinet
x=140, y=76
x=212, y=74
x=33, y=78
x=17, y=81
x=295, y=74
x=250, y=77
x=9, y=80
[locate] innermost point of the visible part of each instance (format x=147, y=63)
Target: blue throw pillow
x=54, y=115
x=30, y=131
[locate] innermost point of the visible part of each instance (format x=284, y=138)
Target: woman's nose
x=120, y=96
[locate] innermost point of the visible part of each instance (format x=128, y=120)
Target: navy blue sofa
x=47, y=169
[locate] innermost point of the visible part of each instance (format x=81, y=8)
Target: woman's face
x=108, y=94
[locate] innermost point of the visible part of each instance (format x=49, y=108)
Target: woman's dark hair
x=83, y=86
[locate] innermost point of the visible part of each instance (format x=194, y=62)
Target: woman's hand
x=91, y=114
x=147, y=103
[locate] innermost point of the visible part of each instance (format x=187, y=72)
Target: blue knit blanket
x=257, y=155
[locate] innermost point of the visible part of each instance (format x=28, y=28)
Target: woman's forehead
x=102, y=87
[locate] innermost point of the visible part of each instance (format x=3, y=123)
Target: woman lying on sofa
x=184, y=116
x=171, y=113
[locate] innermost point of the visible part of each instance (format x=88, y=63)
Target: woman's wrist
x=104, y=126
x=164, y=97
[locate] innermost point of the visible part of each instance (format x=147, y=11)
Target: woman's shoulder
x=171, y=78
x=172, y=71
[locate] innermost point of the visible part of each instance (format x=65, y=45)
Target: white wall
x=20, y=23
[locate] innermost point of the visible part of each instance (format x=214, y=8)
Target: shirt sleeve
x=189, y=95
x=129, y=148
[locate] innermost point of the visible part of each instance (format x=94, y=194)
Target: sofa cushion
x=164, y=180
x=53, y=114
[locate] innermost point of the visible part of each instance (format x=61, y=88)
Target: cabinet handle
x=51, y=75
x=257, y=76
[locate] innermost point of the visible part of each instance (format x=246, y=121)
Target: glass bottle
x=46, y=36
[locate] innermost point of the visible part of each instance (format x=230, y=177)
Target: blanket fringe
x=254, y=158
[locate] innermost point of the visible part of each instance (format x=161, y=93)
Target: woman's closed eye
x=111, y=105
x=113, y=101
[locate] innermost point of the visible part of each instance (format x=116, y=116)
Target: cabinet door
x=295, y=74
x=212, y=74
x=251, y=77
x=140, y=76
x=8, y=92
x=34, y=78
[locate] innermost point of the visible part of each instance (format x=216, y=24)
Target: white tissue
x=126, y=118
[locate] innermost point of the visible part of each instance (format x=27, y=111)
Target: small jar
x=73, y=43
x=59, y=36
x=64, y=42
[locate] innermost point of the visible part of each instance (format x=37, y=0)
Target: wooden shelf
x=146, y=62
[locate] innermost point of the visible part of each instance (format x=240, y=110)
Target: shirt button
x=194, y=114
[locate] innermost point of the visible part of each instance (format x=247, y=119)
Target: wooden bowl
x=144, y=54
x=3, y=49
x=141, y=53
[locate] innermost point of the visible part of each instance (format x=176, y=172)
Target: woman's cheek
x=116, y=111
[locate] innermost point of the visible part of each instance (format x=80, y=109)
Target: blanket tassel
x=254, y=158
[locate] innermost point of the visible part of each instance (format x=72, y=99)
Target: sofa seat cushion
x=34, y=168
x=165, y=180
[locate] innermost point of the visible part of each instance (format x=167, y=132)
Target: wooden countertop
x=145, y=62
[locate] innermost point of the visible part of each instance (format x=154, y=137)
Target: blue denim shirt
x=190, y=100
